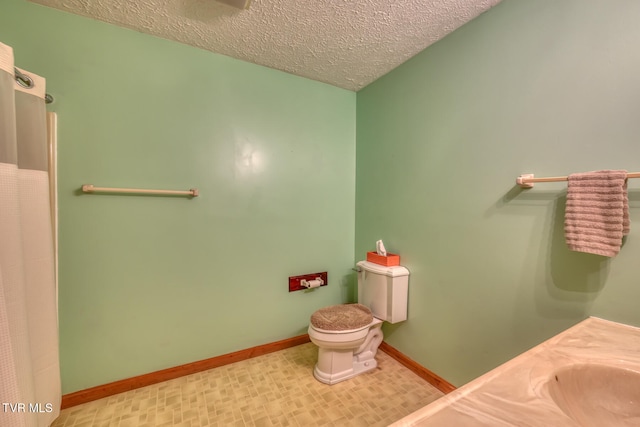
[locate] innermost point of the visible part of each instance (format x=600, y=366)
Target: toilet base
x=357, y=369
x=338, y=364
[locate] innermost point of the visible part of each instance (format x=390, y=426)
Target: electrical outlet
x=294, y=281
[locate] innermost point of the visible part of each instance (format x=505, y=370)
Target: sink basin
x=597, y=395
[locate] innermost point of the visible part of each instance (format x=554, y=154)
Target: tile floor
x=276, y=389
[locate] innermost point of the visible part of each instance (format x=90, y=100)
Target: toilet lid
x=342, y=317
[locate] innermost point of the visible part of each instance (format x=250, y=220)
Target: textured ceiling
x=346, y=43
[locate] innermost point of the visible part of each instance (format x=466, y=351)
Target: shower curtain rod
x=527, y=180
x=27, y=82
x=90, y=188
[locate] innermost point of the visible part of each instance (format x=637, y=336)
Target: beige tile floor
x=276, y=389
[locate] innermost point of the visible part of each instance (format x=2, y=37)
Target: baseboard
x=433, y=379
x=95, y=393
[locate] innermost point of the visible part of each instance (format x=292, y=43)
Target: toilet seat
x=342, y=318
x=341, y=339
x=343, y=326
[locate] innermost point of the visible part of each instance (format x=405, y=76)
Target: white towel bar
x=527, y=180
x=90, y=188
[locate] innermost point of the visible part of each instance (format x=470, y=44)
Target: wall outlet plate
x=294, y=281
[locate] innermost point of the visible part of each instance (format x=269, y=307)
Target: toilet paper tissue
x=309, y=284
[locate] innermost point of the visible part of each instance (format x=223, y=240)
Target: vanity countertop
x=517, y=393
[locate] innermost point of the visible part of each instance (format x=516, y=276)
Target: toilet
x=348, y=335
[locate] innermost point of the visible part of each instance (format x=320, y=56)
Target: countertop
x=517, y=393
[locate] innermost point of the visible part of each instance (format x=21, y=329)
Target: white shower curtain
x=29, y=363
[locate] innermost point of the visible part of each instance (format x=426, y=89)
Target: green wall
x=148, y=283
x=545, y=87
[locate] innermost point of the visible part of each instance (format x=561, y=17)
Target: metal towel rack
x=527, y=180
x=90, y=188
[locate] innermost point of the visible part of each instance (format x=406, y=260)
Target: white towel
x=597, y=212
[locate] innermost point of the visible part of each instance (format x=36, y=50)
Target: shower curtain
x=29, y=363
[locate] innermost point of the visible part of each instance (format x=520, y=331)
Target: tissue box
x=389, y=261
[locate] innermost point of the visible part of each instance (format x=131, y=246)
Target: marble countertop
x=517, y=392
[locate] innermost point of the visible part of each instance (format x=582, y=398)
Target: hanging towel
x=597, y=212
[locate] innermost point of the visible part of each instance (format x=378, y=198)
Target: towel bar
x=90, y=188
x=527, y=180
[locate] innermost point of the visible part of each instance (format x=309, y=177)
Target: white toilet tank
x=384, y=290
